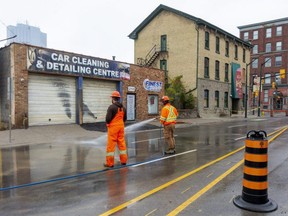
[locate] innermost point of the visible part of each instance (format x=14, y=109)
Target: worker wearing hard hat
x=168, y=118
x=115, y=118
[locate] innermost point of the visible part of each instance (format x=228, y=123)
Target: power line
x=9, y=38
x=8, y=30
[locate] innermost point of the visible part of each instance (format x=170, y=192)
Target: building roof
x=262, y=24
x=134, y=34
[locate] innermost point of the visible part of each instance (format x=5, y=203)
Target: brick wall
x=138, y=75
x=14, y=63
x=262, y=55
x=20, y=84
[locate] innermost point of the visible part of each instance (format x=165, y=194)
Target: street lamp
x=246, y=86
x=260, y=89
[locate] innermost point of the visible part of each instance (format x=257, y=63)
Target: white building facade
x=26, y=34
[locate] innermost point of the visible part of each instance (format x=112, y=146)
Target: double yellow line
x=199, y=193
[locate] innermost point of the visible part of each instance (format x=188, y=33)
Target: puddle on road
x=26, y=164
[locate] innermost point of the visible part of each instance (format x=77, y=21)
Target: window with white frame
x=246, y=36
x=278, y=46
x=255, y=35
x=268, y=33
x=255, y=63
x=255, y=49
x=267, y=62
x=278, y=61
x=266, y=96
x=268, y=47
x=152, y=104
x=279, y=31
x=267, y=79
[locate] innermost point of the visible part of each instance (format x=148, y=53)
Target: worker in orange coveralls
x=115, y=118
x=168, y=118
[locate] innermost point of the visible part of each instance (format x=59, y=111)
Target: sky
x=100, y=28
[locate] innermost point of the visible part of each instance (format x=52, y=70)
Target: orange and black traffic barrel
x=255, y=178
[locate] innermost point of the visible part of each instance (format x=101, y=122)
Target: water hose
x=71, y=177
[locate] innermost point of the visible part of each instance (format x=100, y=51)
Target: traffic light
x=273, y=85
x=256, y=93
x=282, y=73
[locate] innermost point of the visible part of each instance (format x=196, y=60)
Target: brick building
x=40, y=86
x=211, y=60
x=269, y=57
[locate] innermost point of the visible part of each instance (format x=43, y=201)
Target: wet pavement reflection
x=28, y=164
x=107, y=189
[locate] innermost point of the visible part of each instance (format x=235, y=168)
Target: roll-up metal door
x=96, y=99
x=52, y=100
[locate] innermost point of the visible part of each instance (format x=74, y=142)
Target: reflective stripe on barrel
x=255, y=182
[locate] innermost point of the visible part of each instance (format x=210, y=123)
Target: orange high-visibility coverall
x=116, y=135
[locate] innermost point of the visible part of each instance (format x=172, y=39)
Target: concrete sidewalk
x=52, y=133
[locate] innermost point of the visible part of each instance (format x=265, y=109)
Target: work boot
x=106, y=165
x=170, y=151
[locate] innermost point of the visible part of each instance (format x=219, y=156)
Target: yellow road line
x=157, y=189
x=282, y=130
x=124, y=205
x=213, y=183
x=204, y=190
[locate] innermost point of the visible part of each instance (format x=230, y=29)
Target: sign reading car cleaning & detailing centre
x=69, y=63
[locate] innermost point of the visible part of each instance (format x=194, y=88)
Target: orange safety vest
x=168, y=115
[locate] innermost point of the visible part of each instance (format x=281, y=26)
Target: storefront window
x=153, y=104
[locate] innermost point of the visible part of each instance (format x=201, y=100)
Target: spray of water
x=101, y=141
x=135, y=126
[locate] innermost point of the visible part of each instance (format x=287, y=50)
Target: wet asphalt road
x=68, y=178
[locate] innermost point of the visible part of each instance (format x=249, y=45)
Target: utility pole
x=260, y=89
x=246, y=87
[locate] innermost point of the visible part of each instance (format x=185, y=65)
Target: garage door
x=51, y=100
x=96, y=99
